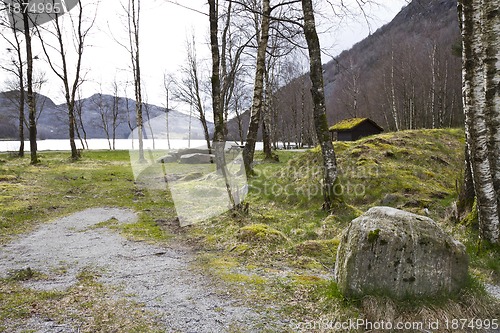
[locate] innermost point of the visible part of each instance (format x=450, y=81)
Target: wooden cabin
x=353, y=129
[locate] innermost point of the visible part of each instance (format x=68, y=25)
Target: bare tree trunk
x=477, y=120
x=491, y=31
x=433, y=86
x=249, y=150
x=146, y=108
x=239, y=120
x=21, y=115
x=393, y=95
x=216, y=83
x=80, y=125
x=21, y=92
x=166, y=86
x=133, y=17
x=318, y=96
x=115, y=112
x=29, y=77
x=266, y=121
x=219, y=139
x=466, y=193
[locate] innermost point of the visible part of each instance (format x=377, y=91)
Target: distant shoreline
x=102, y=144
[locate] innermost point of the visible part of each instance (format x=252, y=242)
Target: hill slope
x=407, y=72
x=413, y=170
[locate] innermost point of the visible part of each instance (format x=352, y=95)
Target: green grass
x=411, y=170
x=89, y=303
x=57, y=187
x=283, y=250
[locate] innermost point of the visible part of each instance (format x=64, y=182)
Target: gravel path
x=158, y=277
x=493, y=290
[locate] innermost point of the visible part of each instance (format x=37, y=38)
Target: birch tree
x=18, y=71
x=319, y=109
x=22, y=21
x=480, y=25
x=133, y=12
x=188, y=89
x=62, y=70
x=258, y=92
x=29, y=77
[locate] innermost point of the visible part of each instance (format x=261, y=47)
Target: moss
x=472, y=219
x=347, y=124
x=373, y=235
x=307, y=279
x=243, y=278
x=318, y=248
x=261, y=233
x=8, y=178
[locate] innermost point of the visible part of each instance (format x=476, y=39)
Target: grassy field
x=281, y=252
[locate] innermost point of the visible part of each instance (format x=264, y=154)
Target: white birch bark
x=258, y=93
x=491, y=32
x=433, y=86
x=393, y=95
x=476, y=118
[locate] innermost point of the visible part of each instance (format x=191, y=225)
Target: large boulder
x=387, y=251
x=197, y=158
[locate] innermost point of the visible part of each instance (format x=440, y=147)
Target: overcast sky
x=164, y=28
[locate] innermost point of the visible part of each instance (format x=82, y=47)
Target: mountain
x=405, y=75
x=395, y=67
x=97, y=114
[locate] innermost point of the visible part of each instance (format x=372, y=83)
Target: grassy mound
x=415, y=171
x=412, y=170
x=283, y=251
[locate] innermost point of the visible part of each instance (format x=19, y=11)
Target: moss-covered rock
x=391, y=252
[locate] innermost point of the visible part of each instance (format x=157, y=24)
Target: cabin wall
x=344, y=136
x=364, y=129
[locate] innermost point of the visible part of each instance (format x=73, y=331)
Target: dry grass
x=89, y=306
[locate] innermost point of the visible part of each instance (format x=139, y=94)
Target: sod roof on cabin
x=347, y=124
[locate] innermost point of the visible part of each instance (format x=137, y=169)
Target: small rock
x=197, y=158
x=167, y=159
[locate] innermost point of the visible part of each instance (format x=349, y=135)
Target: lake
x=102, y=144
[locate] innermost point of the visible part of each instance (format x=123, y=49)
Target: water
x=102, y=144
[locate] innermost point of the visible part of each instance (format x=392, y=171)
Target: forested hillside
x=405, y=75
